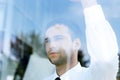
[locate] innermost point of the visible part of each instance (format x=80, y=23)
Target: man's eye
x=58, y=38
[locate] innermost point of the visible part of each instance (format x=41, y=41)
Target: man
x=62, y=48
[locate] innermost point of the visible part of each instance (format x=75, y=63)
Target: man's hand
x=86, y=3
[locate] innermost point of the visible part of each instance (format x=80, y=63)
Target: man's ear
x=77, y=44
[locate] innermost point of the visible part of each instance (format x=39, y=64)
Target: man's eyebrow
x=59, y=36
x=56, y=36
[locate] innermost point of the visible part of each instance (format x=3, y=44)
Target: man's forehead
x=57, y=29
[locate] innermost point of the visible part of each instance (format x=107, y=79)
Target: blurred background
x=22, y=26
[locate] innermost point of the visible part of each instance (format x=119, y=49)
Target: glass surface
x=22, y=27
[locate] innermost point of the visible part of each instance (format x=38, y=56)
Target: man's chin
x=55, y=62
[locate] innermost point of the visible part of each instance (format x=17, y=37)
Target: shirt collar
x=69, y=72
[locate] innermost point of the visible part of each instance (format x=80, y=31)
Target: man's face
x=58, y=44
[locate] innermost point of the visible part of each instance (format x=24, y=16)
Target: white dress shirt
x=101, y=44
x=76, y=73
x=102, y=47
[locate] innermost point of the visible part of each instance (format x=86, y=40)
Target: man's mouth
x=53, y=54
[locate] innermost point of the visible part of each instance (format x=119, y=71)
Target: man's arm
x=101, y=41
x=101, y=38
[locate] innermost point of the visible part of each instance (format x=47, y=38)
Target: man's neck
x=61, y=69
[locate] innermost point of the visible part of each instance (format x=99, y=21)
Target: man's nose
x=52, y=47
x=52, y=44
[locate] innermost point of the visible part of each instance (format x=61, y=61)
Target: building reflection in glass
x=19, y=52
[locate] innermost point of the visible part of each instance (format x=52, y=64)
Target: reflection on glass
x=25, y=16
x=19, y=55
